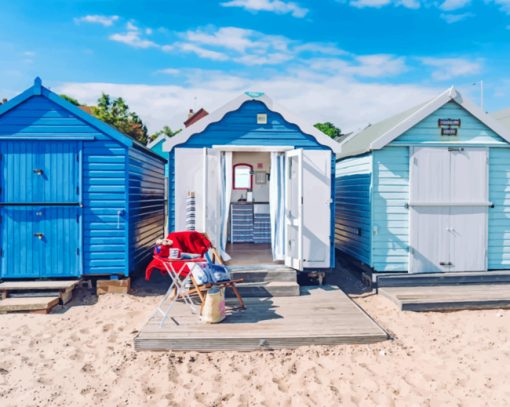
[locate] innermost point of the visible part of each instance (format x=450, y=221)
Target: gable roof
x=38, y=90
x=502, y=116
x=377, y=136
x=234, y=105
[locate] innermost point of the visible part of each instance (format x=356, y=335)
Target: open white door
x=294, y=209
x=316, y=209
x=213, y=195
x=189, y=178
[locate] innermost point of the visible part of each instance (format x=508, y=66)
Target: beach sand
x=82, y=355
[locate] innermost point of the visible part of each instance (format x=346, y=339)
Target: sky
x=351, y=62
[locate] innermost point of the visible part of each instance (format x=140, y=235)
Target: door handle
x=38, y=171
x=39, y=235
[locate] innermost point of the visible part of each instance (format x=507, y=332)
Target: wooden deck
x=320, y=316
x=449, y=297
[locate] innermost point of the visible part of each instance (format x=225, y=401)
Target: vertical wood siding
x=353, y=184
x=390, y=230
x=499, y=216
x=146, y=206
x=472, y=131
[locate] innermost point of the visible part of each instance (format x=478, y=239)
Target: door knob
x=39, y=235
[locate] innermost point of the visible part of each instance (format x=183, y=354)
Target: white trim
x=156, y=141
x=235, y=104
x=450, y=94
x=257, y=149
x=450, y=204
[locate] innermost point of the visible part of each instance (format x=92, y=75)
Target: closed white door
x=430, y=239
x=449, y=203
x=469, y=210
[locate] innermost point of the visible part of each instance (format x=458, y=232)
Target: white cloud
x=133, y=37
x=450, y=68
x=202, y=52
x=450, y=5
x=313, y=96
x=504, y=5
x=275, y=6
x=412, y=4
x=455, y=18
x=169, y=71
x=369, y=66
x=105, y=21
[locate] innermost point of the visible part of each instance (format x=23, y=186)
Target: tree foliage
x=329, y=129
x=70, y=99
x=167, y=131
x=115, y=112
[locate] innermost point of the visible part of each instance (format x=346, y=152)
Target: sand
x=82, y=355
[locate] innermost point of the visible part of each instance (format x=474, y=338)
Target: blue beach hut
x=78, y=198
x=426, y=191
x=258, y=181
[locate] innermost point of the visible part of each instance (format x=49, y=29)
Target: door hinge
x=77, y=190
x=77, y=218
x=1, y=252
x=78, y=157
x=78, y=251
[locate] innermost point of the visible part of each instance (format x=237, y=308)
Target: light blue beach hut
x=427, y=190
x=78, y=198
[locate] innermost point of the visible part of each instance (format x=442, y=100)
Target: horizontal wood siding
x=146, y=206
x=240, y=128
x=105, y=240
x=390, y=230
x=352, y=207
x=472, y=130
x=499, y=216
x=103, y=172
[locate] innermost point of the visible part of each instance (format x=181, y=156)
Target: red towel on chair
x=187, y=242
x=190, y=242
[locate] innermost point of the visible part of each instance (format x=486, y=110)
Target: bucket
x=214, y=306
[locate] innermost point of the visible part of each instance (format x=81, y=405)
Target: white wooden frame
x=296, y=263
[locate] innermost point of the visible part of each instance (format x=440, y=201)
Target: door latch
x=38, y=171
x=444, y=263
x=39, y=235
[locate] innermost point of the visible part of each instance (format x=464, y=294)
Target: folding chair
x=181, y=270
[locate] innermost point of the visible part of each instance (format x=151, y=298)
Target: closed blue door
x=40, y=209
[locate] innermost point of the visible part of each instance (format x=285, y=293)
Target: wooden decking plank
x=38, y=285
x=448, y=297
x=320, y=316
x=28, y=304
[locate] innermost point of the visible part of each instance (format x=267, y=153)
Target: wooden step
x=39, y=288
x=28, y=304
x=267, y=289
x=434, y=279
x=38, y=285
x=449, y=297
x=250, y=275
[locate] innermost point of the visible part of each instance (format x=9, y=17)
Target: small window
x=243, y=174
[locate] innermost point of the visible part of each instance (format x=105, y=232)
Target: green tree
x=70, y=99
x=115, y=112
x=329, y=129
x=167, y=131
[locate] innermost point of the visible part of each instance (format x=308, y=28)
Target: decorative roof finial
x=37, y=86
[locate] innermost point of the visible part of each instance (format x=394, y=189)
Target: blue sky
x=347, y=61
